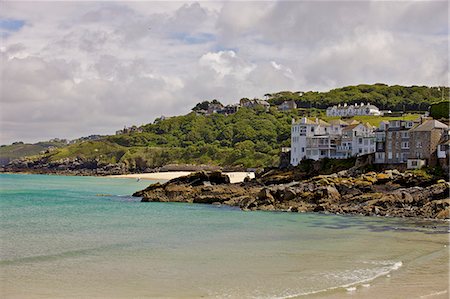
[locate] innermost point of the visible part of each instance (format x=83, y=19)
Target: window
x=360, y=140
x=390, y=155
x=360, y=150
x=303, y=149
x=414, y=163
x=404, y=157
x=389, y=134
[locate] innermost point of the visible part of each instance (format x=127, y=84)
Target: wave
x=387, y=268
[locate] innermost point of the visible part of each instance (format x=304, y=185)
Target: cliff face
x=389, y=193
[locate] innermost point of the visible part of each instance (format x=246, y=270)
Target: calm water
x=85, y=237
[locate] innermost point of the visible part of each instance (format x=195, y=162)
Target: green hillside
x=20, y=149
x=385, y=97
x=248, y=138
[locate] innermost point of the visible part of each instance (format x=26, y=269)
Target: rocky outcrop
x=75, y=166
x=390, y=193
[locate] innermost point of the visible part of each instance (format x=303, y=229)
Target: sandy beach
x=235, y=177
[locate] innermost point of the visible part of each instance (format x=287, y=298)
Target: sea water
x=86, y=237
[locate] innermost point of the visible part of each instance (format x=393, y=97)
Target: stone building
x=424, y=141
x=392, y=142
x=411, y=143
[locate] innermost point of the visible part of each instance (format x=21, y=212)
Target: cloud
x=78, y=68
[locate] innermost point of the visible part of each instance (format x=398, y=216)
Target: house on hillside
x=317, y=139
x=254, y=103
x=132, y=129
x=412, y=143
x=287, y=105
x=229, y=109
x=424, y=141
x=392, y=140
x=353, y=110
x=357, y=140
x=214, y=108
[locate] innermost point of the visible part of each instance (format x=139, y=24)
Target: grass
x=18, y=150
x=374, y=120
x=102, y=150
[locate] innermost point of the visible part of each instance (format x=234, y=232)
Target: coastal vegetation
x=20, y=149
x=385, y=97
x=440, y=109
x=251, y=137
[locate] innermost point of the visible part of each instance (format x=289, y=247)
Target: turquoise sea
x=86, y=237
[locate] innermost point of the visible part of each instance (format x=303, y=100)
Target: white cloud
x=79, y=68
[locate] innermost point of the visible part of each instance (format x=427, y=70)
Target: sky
x=72, y=69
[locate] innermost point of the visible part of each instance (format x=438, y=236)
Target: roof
x=323, y=123
x=350, y=127
x=338, y=122
x=305, y=120
x=353, y=122
x=429, y=125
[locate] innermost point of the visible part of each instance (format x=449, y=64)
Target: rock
x=265, y=196
x=289, y=194
x=362, y=194
x=443, y=214
x=383, y=177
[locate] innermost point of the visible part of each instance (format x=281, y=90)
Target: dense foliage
x=440, y=110
x=248, y=138
x=395, y=98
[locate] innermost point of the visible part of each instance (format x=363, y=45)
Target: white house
x=358, y=139
x=352, y=110
x=337, y=140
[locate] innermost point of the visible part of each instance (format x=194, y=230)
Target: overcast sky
x=75, y=69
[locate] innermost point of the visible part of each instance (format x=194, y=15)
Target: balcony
x=343, y=148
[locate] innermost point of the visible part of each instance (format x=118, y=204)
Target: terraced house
x=413, y=143
x=317, y=139
x=352, y=110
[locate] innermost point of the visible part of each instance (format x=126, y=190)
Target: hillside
x=248, y=138
x=20, y=149
x=385, y=97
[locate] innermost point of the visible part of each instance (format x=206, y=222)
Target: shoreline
x=390, y=193
x=235, y=177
